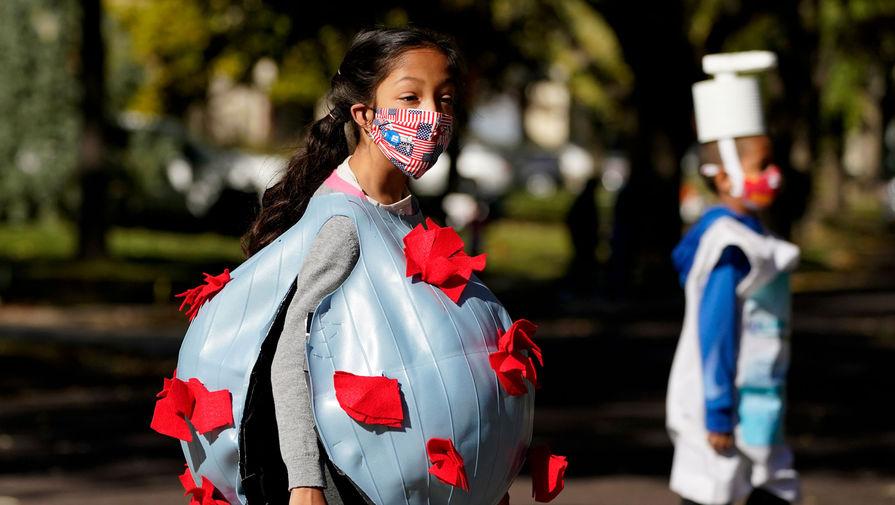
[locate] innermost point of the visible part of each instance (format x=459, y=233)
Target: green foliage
x=137, y=243
x=56, y=239
x=144, y=161
x=180, y=44
x=308, y=67
x=527, y=250
x=39, y=104
x=522, y=205
x=47, y=239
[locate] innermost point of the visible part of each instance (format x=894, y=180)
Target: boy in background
x=726, y=392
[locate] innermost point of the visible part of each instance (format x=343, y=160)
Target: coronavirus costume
x=410, y=359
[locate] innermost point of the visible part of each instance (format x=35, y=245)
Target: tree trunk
x=647, y=220
x=93, y=179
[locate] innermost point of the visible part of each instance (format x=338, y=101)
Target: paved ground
x=77, y=389
x=140, y=483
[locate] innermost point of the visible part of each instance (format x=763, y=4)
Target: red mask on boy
x=759, y=190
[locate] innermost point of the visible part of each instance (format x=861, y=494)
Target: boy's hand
x=720, y=442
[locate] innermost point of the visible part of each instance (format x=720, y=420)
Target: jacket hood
x=683, y=254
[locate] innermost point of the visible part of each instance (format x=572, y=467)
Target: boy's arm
x=719, y=335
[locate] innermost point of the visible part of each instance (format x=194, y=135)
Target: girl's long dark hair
x=368, y=61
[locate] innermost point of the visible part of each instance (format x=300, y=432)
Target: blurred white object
x=460, y=209
x=547, y=116
x=490, y=171
x=436, y=179
x=692, y=204
x=729, y=105
x=254, y=172
x=576, y=166
x=616, y=170
x=497, y=121
x=540, y=185
x=180, y=174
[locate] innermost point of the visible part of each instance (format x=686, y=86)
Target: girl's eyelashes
x=409, y=98
x=449, y=100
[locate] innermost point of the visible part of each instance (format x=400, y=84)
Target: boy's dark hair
x=709, y=153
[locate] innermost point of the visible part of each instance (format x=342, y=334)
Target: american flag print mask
x=412, y=139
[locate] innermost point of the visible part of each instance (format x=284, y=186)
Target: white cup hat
x=729, y=105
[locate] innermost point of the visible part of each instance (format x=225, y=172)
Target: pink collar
x=341, y=185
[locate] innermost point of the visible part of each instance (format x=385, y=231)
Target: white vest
x=764, y=349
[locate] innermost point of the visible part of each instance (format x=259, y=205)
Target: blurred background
x=137, y=135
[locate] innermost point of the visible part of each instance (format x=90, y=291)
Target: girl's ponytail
x=285, y=202
x=368, y=61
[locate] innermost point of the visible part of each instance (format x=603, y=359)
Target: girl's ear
x=362, y=116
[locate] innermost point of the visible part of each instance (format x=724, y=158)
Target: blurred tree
x=180, y=44
x=628, y=64
x=93, y=154
x=38, y=103
x=647, y=221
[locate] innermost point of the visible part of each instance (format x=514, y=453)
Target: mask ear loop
x=731, y=159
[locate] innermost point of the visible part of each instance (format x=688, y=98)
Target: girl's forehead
x=424, y=64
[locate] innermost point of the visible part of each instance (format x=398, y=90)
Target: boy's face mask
x=412, y=139
x=759, y=190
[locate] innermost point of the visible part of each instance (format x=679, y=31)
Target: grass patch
x=523, y=206
x=51, y=239
x=55, y=240
x=530, y=250
x=139, y=243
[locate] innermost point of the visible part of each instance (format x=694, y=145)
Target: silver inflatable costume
x=378, y=322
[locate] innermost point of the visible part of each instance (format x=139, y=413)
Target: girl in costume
x=355, y=357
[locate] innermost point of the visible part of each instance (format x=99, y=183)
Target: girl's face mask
x=759, y=190
x=412, y=139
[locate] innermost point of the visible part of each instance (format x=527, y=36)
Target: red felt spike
x=197, y=296
x=447, y=464
x=204, y=495
x=213, y=409
x=547, y=473
x=179, y=401
x=168, y=421
x=370, y=400
x=510, y=371
x=173, y=407
x=189, y=485
x=510, y=363
x=436, y=255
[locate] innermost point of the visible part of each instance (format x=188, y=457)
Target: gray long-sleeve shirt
x=330, y=259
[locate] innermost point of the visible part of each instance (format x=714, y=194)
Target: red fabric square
x=370, y=400
x=547, y=473
x=213, y=409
